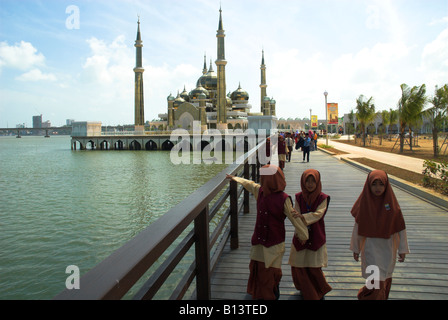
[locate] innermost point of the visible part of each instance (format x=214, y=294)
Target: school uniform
x=379, y=233
x=308, y=259
x=268, y=239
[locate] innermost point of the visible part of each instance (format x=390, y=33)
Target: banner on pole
x=314, y=122
x=332, y=109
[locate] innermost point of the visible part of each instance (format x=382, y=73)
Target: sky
x=74, y=59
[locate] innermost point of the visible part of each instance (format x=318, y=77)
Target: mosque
x=208, y=102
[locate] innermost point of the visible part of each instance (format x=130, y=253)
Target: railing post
x=246, y=193
x=234, y=242
x=202, y=252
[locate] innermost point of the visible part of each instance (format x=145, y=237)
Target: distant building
x=46, y=124
x=37, y=121
x=69, y=122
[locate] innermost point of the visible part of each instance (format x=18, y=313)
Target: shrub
x=436, y=175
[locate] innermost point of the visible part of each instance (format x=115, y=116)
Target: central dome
x=209, y=80
x=239, y=94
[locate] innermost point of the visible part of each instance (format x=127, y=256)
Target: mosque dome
x=184, y=95
x=194, y=94
x=170, y=97
x=239, y=94
x=273, y=101
x=209, y=80
x=178, y=101
x=228, y=101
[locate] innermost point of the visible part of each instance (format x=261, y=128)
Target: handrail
x=116, y=275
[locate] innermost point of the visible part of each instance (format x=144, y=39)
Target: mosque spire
x=139, y=116
x=204, y=70
x=263, y=84
x=221, y=110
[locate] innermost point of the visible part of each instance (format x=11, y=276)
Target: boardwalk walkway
x=424, y=274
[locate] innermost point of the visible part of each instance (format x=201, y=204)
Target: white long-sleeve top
x=272, y=256
x=379, y=252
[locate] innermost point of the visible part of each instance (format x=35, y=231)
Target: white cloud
x=36, y=75
x=108, y=63
x=435, y=59
x=22, y=56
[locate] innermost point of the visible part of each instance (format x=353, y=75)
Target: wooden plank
x=424, y=274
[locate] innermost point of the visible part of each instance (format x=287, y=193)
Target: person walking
x=306, y=148
x=290, y=145
x=379, y=233
x=268, y=239
x=308, y=257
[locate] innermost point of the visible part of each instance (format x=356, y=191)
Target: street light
x=326, y=115
x=311, y=110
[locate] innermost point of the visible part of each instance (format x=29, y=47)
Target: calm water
x=60, y=207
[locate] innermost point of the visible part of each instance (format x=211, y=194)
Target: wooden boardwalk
x=424, y=274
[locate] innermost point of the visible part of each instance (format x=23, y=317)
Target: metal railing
x=117, y=274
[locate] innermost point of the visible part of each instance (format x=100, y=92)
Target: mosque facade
x=209, y=103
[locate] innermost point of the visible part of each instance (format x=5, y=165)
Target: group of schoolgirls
x=379, y=233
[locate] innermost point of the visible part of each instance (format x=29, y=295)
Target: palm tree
x=350, y=125
x=410, y=108
x=365, y=114
x=385, y=121
x=393, y=118
x=437, y=114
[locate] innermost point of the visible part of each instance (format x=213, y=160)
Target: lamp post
x=311, y=110
x=326, y=114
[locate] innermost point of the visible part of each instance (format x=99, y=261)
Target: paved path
x=396, y=160
x=424, y=274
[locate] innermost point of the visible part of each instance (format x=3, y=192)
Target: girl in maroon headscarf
x=281, y=151
x=308, y=257
x=268, y=239
x=378, y=234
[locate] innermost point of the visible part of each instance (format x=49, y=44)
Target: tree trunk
x=401, y=139
x=435, y=141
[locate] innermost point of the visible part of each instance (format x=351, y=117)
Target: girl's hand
x=297, y=214
x=356, y=256
x=229, y=177
x=401, y=257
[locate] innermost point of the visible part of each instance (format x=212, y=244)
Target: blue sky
x=347, y=47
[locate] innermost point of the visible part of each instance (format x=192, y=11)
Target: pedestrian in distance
x=379, y=233
x=306, y=148
x=307, y=258
x=268, y=239
x=290, y=145
x=299, y=143
x=282, y=150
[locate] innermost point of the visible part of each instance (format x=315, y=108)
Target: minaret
x=263, y=84
x=204, y=70
x=138, y=70
x=221, y=64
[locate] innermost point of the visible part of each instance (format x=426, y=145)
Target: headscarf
x=311, y=197
x=272, y=181
x=378, y=216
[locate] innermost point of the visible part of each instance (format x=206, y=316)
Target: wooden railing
x=117, y=274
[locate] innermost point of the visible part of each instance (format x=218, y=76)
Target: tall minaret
x=263, y=84
x=204, y=70
x=221, y=64
x=138, y=70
